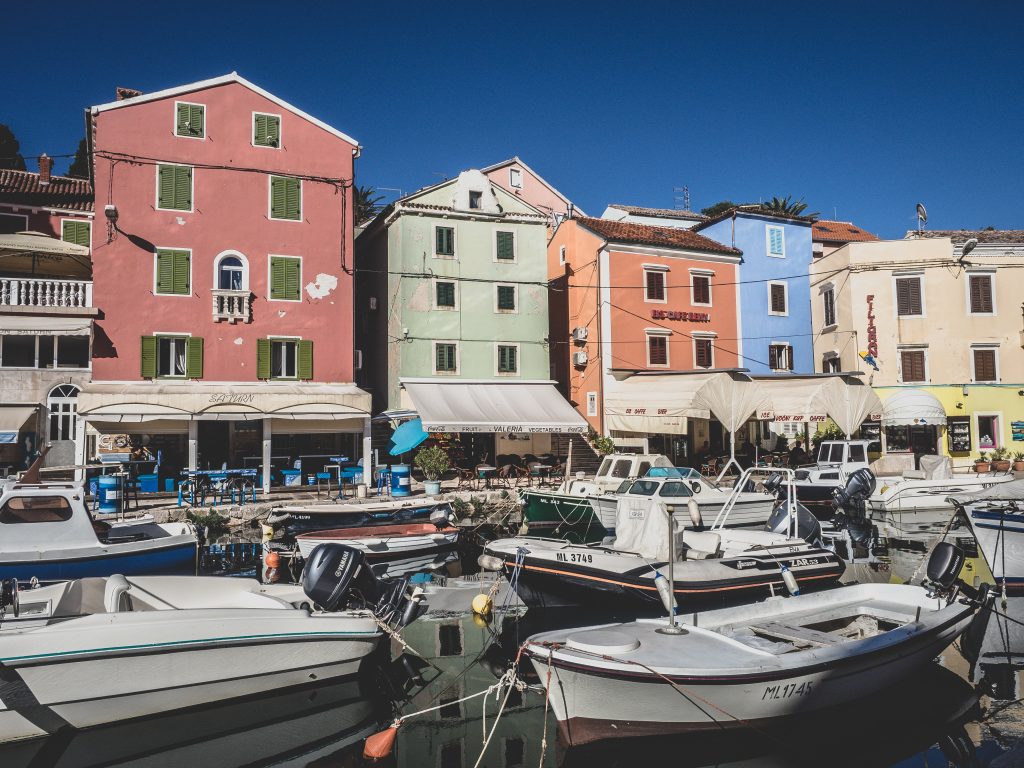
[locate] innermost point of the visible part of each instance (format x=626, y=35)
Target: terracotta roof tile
x=960, y=236
x=644, y=234
x=664, y=213
x=840, y=232
x=23, y=188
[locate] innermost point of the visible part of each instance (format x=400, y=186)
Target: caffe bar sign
x=792, y=418
x=674, y=314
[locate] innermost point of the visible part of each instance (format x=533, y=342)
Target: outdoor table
x=484, y=472
x=195, y=475
x=542, y=470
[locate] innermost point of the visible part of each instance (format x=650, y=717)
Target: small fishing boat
x=996, y=515
x=385, y=542
x=717, y=565
x=96, y=651
x=749, y=665
x=295, y=520
x=49, y=535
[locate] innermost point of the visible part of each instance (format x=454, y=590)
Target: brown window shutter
x=908, y=296
x=656, y=286
x=778, y=298
x=701, y=290
x=912, y=363
x=703, y=352
x=985, y=365
x=657, y=347
x=773, y=356
x=981, y=294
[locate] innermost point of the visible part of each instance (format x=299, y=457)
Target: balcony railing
x=233, y=306
x=44, y=292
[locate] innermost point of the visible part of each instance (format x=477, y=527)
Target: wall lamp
x=960, y=405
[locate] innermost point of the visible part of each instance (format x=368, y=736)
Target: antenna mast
x=681, y=197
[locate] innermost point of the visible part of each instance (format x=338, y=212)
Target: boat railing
x=788, y=477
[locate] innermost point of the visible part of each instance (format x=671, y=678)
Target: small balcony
x=232, y=306
x=35, y=293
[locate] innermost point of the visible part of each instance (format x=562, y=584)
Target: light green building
x=451, y=289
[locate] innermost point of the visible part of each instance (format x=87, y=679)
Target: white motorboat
x=996, y=515
x=101, y=650
x=49, y=535
x=385, y=542
x=744, y=666
x=296, y=519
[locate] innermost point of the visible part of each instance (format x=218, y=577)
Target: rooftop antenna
x=682, y=197
x=922, y=217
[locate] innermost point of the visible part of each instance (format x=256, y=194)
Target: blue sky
x=861, y=108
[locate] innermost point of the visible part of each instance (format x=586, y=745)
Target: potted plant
x=1018, y=462
x=981, y=463
x=1000, y=462
x=432, y=462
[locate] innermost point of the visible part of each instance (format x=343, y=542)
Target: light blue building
x=774, y=293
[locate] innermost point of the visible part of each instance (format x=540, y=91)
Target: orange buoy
x=272, y=559
x=379, y=745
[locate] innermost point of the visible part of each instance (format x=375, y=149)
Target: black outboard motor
x=773, y=484
x=850, y=502
x=337, y=577
x=9, y=598
x=807, y=526
x=944, y=566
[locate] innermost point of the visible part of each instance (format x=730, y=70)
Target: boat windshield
x=675, y=489
x=643, y=488
x=679, y=473
x=830, y=453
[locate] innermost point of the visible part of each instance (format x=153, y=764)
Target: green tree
x=367, y=204
x=787, y=206
x=79, y=168
x=719, y=207
x=10, y=150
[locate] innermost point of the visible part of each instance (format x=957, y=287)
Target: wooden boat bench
x=797, y=635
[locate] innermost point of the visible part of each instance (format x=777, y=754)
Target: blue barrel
x=109, y=494
x=401, y=480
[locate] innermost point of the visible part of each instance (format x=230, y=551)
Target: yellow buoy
x=482, y=621
x=482, y=604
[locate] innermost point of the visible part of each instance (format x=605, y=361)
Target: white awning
x=26, y=243
x=794, y=400
x=849, y=403
x=200, y=401
x=462, y=406
x=656, y=404
x=913, y=407
x=12, y=420
x=34, y=325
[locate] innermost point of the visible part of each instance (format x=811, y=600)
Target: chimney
x=126, y=93
x=45, y=166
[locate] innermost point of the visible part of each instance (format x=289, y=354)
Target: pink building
x=222, y=266
x=519, y=179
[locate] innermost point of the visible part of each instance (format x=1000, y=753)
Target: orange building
x=628, y=299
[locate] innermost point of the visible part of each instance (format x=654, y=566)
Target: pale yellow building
x=936, y=321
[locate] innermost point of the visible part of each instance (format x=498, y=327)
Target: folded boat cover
x=642, y=526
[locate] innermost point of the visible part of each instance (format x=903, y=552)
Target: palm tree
x=367, y=204
x=787, y=206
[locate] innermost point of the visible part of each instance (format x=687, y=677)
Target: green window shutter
x=174, y=187
x=304, y=363
x=76, y=232
x=285, y=276
x=180, y=284
x=506, y=359
x=148, y=357
x=267, y=131
x=165, y=186
x=262, y=358
x=273, y=131
x=506, y=246
x=446, y=295
x=190, y=120
x=194, y=357
x=183, y=116
x=285, y=198
x=277, y=197
x=183, y=188
x=172, y=272
x=506, y=297
x=444, y=244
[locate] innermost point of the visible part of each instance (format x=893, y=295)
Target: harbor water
x=963, y=711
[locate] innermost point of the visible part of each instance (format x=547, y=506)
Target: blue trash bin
x=401, y=480
x=149, y=483
x=109, y=494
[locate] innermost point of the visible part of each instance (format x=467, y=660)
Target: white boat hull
x=385, y=547
x=750, y=511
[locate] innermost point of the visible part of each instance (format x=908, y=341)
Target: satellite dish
x=922, y=213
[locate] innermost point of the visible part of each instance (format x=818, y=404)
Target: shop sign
x=791, y=418
x=232, y=398
x=674, y=314
x=537, y=429
x=872, y=331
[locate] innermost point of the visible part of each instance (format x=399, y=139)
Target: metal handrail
x=737, y=489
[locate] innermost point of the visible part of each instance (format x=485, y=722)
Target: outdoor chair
x=465, y=478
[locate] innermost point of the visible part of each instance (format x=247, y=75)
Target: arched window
x=231, y=272
x=62, y=404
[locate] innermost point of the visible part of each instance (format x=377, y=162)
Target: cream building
x=936, y=321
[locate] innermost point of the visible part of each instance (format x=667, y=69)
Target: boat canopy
x=912, y=407
x=849, y=403
x=489, y=406
x=1012, y=490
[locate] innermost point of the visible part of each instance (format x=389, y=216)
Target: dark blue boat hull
x=179, y=559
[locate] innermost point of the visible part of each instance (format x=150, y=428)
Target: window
x=776, y=241
x=980, y=293
x=505, y=246
x=657, y=349
x=828, y=299
x=11, y=223
x=230, y=274
x=62, y=404
x=285, y=198
x=654, y=285
x=515, y=749
x=703, y=354
x=285, y=278
x=508, y=359
x=451, y=755
x=515, y=178
x=173, y=272
x=505, y=298
x=777, y=299
x=475, y=200
x=72, y=351
x=35, y=509
x=446, y=357
x=780, y=357
x=266, y=130
x=450, y=706
x=189, y=120
x=561, y=255
x=44, y=351
x=988, y=432
x=444, y=241
x=18, y=352
x=985, y=363
x=700, y=289
x=857, y=454
x=171, y=357
x=830, y=364
x=913, y=365
x=75, y=231
x=174, y=187
x=908, y=297
x=284, y=359
x=449, y=640
x=444, y=295
x=591, y=403
x=622, y=468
